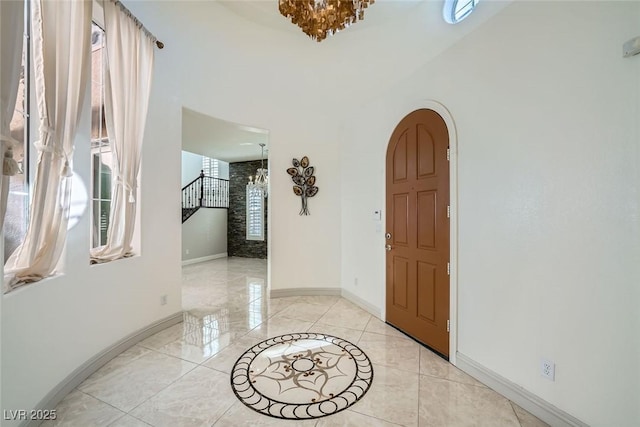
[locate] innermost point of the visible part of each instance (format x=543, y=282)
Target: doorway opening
x=225, y=220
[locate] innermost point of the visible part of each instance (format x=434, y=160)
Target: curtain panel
x=11, y=37
x=61, y=37
x=129, y=68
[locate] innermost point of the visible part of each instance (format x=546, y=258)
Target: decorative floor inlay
x=301, y=376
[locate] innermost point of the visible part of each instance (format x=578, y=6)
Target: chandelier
x=321, y=18
x=261, y=179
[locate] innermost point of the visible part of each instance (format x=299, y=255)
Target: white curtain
x=11, y=31
x=61, y=37
x=127, y=87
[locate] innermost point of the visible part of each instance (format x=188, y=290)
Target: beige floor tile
x=210, y=323
x=224, y=360
x=346, y=314
x=197, y=348
x=435, y=366
x=244, y=296
x=448, y=403
x=128, y=421
x=118, y=363
x=271, y=305
x=80, y=410
x=351, y=335
x=275, y=327
x=125, y=387
x=197, y=399
x=324, y=300
x=526, y=419
x=349, y=418
x=304, y=311
x=377, y=326
x=241, y=416
x=164, y=337
x=397, y=352
x=393, y=397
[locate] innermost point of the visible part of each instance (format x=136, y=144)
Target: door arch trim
x=439, y=108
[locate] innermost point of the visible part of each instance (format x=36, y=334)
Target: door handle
x=387, y=247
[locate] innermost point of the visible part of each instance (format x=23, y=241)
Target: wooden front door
x=417, y=187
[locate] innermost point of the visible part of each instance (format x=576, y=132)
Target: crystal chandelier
x=321, y=18
x=261, y=179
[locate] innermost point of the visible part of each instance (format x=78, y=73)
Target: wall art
x=305, y=181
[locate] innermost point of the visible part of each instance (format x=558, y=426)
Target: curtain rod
x=138, y=23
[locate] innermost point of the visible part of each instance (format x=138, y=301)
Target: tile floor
x=180, y=376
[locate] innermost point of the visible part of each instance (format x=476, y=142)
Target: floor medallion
x=301, y=376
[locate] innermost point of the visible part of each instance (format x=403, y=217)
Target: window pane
x=17, y=215
x=98, y=125
x=211, y=167
x=105, y=209
x=255, y=213
x=455, y=11
x=100, y=221
x=95, y=215
x=101, y=155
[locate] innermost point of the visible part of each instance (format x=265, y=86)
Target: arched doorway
x=418, y=230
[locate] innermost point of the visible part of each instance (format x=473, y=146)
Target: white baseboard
x=203, y=259
x=303, y=292
x=362, y=303
x=73, y=380
x=512, y=391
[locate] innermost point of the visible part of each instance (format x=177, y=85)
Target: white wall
x=191, y=167
x=204, y=234
x=223, y=170
x=546, y=111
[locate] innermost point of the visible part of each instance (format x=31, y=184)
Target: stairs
x=188, y=212
x=204, y=192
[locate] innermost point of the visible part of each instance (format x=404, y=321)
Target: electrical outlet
x=548, y=369
x=186, y=251
x=355, y=281
x=163, y=299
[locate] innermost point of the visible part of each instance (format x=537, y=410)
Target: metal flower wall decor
x=304, y=180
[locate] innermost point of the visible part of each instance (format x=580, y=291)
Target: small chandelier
x=321, y=18
x=261, y=179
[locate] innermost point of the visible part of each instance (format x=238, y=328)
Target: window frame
x=98, y=147
x=22, y=195
x=255, y=193
x=450, y=10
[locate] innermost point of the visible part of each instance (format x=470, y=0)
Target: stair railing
x=204, y=192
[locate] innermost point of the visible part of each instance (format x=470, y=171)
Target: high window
x=211, y=167
x=101, y=152
x=456, y=10
x=17, y=216
x=255, y=213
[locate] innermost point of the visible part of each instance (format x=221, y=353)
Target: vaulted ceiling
x=276, y=60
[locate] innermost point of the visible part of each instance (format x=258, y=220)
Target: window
x=211, y=167
x=456, y=10
x=255, y=213
x=101, y=154
x=17, y=215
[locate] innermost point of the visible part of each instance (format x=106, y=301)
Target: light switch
x=377, y=215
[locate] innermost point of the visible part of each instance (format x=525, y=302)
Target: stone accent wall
x=237, y=243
